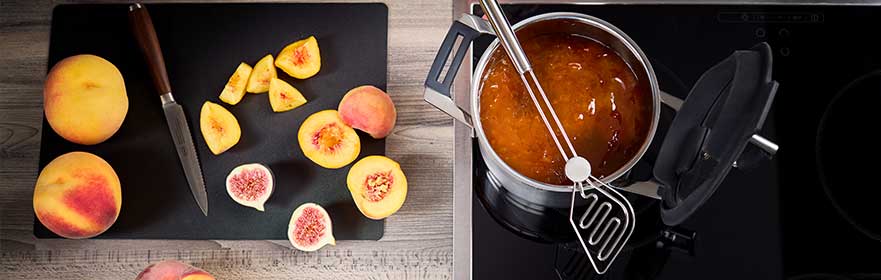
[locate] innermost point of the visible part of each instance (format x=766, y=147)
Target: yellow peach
x=77, y=195
x=369, y=109
x=173, y=270
x=84, y=99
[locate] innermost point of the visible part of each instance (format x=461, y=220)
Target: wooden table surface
x=418, y=241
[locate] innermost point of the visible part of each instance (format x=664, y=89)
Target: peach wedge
x=263, y=73
x=219, y=127
x=283, y=96
x=235, y=88
x=300, y=59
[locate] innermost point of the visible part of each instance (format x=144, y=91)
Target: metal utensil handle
x=506, y=35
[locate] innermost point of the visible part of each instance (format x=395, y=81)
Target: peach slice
x=219, y=127
x=327, y=141
x=378, y=186
x=283, y=96
x=263, y=72
x=235, y=88
x=369, y=109
x=173, y=270
x=85, y=99
x=300, y=59
x=77, y=195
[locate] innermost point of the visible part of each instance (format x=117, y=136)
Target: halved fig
x=235, y=88
x=300, y=59
x=250, y=185
x=327, y=141
x=283, y=96
x=378, y=186
x=263, y=72
x=310, y=228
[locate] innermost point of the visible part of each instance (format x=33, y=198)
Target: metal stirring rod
x=511, y=45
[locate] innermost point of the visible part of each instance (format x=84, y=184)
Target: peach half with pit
x=77, y=195
x=327, y=141
x=300, y=59
x=84, y=99
x=369, y=109
x=378, y=186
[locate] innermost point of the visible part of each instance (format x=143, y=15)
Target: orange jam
x=606, y=112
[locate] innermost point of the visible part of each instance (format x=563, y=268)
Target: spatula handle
x=142, y=26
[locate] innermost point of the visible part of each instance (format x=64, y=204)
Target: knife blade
x=142, y=26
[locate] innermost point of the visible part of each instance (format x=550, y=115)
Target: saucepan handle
x=438, y=88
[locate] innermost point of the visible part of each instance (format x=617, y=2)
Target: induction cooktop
x=807, y=214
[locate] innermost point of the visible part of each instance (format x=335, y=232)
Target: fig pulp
x=250, y=185
x=310, y=228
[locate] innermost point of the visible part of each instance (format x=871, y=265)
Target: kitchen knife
x=142, y=26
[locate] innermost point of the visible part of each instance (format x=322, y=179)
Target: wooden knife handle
x=142, y=26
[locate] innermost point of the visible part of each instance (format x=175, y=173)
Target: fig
x=310, y=228
x=250, y=185
x=378, y=186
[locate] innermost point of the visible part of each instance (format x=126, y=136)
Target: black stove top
x=806, y=214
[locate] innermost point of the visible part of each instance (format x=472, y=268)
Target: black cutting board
x=202, y=45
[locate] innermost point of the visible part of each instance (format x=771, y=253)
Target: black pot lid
x=724, y=109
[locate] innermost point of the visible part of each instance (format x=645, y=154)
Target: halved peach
x=219, y=127
x=235, y=88
x=263, y=72
x=283, y=96
x=327, y=141
x=369, y=109
x=378, y=186
x=300, y=59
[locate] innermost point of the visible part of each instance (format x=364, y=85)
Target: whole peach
x=84, y=99
x=173, y=270
x=77, y=195
x=368, y=109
